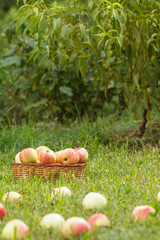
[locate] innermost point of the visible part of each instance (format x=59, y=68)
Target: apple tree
x=116, y=41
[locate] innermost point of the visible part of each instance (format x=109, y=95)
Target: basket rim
x=50, y=165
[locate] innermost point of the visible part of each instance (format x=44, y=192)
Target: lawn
x=126, y=174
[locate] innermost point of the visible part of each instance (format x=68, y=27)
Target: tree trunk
x=143, y=123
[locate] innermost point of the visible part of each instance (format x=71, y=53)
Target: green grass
x=118, y=168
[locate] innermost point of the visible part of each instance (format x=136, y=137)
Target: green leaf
x=137, y=34
x=115, y=14
x=83, y=31
x=11, y=52
x=57, y=24
x=16, y=73
x=65, y=31
x=23, y=20
x=37, y=104
x=38, y=53
x=83, y=67
x=135, y=79
x=33, y=53
x=95, y=13
x=108, y=45
x=34, y=21
x=89, y=46
x=106, y=1
x=90, y=5
x=136, y=7
x=41, y=32
x=66, y=90
x=16, y=60
x=155, y=63
x=130, y=54
x=120, y=40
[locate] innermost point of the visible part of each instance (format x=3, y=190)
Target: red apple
x=13, y=227
x=67, y=156
x=83, y=154
x=47, y=157
x=28, y=155
x=99, y=219
x=141, y=213
x=40, y=149
x=75, y=226
x=59, y=156
x=2, y=211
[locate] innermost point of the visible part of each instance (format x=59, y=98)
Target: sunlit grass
x=125, y=174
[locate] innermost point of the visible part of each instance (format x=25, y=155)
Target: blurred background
x=28, y=90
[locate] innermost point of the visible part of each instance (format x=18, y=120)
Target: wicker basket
x=47, y=171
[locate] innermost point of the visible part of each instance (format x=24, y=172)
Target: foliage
x=44, y=92
x=5, y=5
x=115, y=41
x=113, y=46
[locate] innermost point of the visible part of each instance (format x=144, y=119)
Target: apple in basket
x=28, y=155
x=47, y=157
x=83, y=154
x=67, y=156
x=17, y=159
x=40, y=149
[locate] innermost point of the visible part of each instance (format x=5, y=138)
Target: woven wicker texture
x=47, y=171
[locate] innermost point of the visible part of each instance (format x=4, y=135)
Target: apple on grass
x=62, y=192
x=83, y=154
x=15, y=229
x=52, y=220
x=94, y=201
x=75, y=226
x=2, y=211
x=47, y=157
x=141, y=213
x=12, y=197
x=67, y=156
x=28, y=155
x=158, y=197
x=98, y=220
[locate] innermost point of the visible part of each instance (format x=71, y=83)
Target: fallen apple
x=62, y=192
x=98, y=220
x=158, y=196
x=141, y=213
x=83, y=154
x=67, y=156
x=17, y=159
x=75, y=226
x=2, y=211
x=15, y=229
x=40, y=149
x=28, y=155
x=47, y=157
x=94, y=201
x=12, y=197
x=53, y=220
